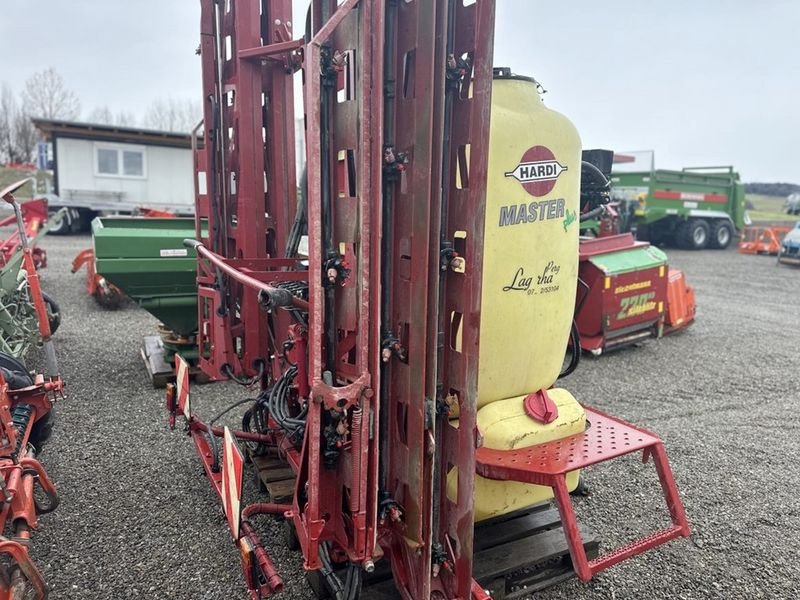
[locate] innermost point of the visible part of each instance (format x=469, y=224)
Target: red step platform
x=548, y=464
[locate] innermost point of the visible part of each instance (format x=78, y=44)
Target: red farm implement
x=628, y=294
x=376, y=311
x=26, y=421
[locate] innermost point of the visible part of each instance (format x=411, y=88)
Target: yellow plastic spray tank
x=530, y=274
x=530, y=265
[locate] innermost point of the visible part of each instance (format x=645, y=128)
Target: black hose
x=254, y=421
x=598, y=174
x=277, y=400
x=595, y=212
x=594, y=190
x=300, y=223
x=333, y=581
x=586, y=291
x=575, y=334
x=348, y=582
x=575, y=359
x=330, y=251
x=226, y=368
x=54, y=318
x=387, y=244
x=214, y=188
x=355, y=589
x=451, y=93
x=212, y=439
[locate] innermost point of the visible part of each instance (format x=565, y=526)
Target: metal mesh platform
x=604, y=439
x=547, y=464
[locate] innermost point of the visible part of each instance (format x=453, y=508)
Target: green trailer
x=146, y=259
x=694, y=208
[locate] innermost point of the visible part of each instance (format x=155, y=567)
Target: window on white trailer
x=107, y=161
x=132, y=163
x=120, y=161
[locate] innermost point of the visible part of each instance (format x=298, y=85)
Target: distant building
x=106, y=168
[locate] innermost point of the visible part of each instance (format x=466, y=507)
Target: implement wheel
x=17, y=377
x=721, y=234
x=14, y=372
x=693, y=234
x=61, y=227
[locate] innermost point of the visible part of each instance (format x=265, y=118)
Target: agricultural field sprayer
x=402, y=331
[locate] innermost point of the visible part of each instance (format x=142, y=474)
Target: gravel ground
x=139, y=520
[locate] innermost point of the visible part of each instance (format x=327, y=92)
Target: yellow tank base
x=505, y=425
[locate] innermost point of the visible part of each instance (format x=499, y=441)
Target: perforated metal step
x=547, y=464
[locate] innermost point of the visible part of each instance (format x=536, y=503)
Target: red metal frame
x=247, y=141
x=236, y=262
x=473, y=38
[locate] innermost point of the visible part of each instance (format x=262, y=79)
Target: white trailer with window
x=105, y=169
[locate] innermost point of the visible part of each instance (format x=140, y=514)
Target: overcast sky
x=700, y=82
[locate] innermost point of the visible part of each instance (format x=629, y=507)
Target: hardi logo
x=537, y=171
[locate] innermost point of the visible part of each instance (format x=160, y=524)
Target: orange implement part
x=680, y=302
x=106, y=293
x=156, y=213
x=762, y=240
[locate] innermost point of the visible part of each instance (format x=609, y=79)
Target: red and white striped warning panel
x=232, y=464
x=691, y=196
x=182, y=382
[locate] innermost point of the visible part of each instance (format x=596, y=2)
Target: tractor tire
x=290, y=536
x=14, y=372
x=17, y=376
x=42, y=430
x=693, y=234
x=62, y=227
x=721, y=234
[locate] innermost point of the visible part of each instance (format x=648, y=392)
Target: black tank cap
x=505, y=73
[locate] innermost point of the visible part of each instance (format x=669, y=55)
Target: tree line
x=772, y=189
x=46, y=95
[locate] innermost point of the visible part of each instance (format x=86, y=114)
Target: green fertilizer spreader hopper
x=146, y=259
